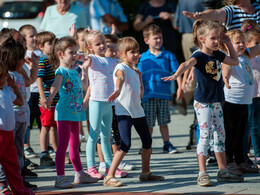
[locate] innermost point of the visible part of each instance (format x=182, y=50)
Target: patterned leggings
x=210, y=119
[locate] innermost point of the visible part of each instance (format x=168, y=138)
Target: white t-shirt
x=7, y=117
x=241, y=82
x=129, y=101
x=101, y=77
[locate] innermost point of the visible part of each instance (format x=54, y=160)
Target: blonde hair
x=151, y=29
x=126, y=44
x=233, y=33
x=60, y=45
x=202, y=28
x=25, y=28
x=250, y=28
x=88, y=35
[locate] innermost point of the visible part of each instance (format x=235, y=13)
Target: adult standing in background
x=60, y=17
x=161, y=13
x=231, y=15
x=104, y=13
x=85, y=4
x=184, y=25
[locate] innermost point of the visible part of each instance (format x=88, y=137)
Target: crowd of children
x=105, y=81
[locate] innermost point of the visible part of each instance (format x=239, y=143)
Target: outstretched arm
x=211, y=14
x=182, y=68
x=226, y=73
x=119, y=84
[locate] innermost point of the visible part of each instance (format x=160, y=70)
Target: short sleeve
x=221, y=56
x=42, y=67
x=12, y=94
x=58, y=71
x=229, y=14
x=196, y=55
x=45, y=19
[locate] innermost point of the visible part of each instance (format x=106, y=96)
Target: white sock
x=202, y=172
x=102, y=164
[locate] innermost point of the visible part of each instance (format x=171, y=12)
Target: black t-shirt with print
x=209, y=83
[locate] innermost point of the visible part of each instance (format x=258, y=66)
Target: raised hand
x=190, y=15
x=170, y=78
x=72, y=31
x=224, y=38
x=10, y=80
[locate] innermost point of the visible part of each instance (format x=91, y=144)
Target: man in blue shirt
x=154, y=64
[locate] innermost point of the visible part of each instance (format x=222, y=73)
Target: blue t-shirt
x=70, y=106
x=209, y=82
x=153, y=68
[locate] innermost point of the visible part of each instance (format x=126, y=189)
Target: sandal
x=111, y=181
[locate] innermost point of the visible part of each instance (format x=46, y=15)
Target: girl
x=252, y=32
x=12, y=55
x=129, y=91
x=237, y=98
x=101, y=86
x=69, y=110
x=209, y=94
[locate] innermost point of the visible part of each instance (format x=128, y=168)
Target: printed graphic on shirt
x=215, y=72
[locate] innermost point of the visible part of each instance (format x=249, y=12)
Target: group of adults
x=103, y=13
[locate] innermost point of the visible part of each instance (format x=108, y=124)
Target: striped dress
x=235, y=16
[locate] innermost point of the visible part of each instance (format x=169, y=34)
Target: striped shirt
x=47, y=74
x=235, y=16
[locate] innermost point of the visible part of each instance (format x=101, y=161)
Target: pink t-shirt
x=101, y=77
x=256, y=72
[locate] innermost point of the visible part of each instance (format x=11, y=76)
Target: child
x=69, y=110
x=101, y=86
x=44, y=42
x=129, y=91
x=209, y=94
x=154, y=64
x=10, y=54
x=112, y=52
x=252, y=32
x=29, y=33
x=238, y=95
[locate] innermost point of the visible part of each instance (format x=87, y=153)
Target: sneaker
x=126, y=166
x=51, y=151
x=46, y=161
x=233, y=168
x=102, y=169
x=211, y=161
x=29, y=164
x=28, y=185
x=63, y=182
x=204, y=180
x=227, y=176
x=29, y=153
x=92, y=171
x=28, y=174
x=82, y=138
x=169, y=148
x=4, y=189
x=111, y=181
x=84, y=178
x=150, y=177
x=257, y=161
x=246, y=168
x=118, y=173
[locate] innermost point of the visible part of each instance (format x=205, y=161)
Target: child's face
x=47, y=48
x=239, y=45
x=154, y=41
x=254, y=41
x=112, y=51
x=131, y=56
x=30, y=39
x=69, y=56
x=98, y=45
x=211, y=40
x=81, y=41
x=2, y=80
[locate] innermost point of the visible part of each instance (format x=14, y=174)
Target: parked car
x=15, y=13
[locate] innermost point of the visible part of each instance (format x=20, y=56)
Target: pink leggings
x=68, y=132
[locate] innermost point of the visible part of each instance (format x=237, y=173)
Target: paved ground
x=180, y=170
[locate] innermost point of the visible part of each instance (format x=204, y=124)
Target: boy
x=44, y=41
x=154, y=64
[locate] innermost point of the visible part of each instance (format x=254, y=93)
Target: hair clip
x=247, y=28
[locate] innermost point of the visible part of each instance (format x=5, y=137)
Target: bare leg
x=165, y=133
x=81, y=130
x=100, y=154
x=44, y=138
x=146, y=156
x=118, y=157
x=54, y=138
x=202, y=163
x=221, y=158
x=115, y=148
